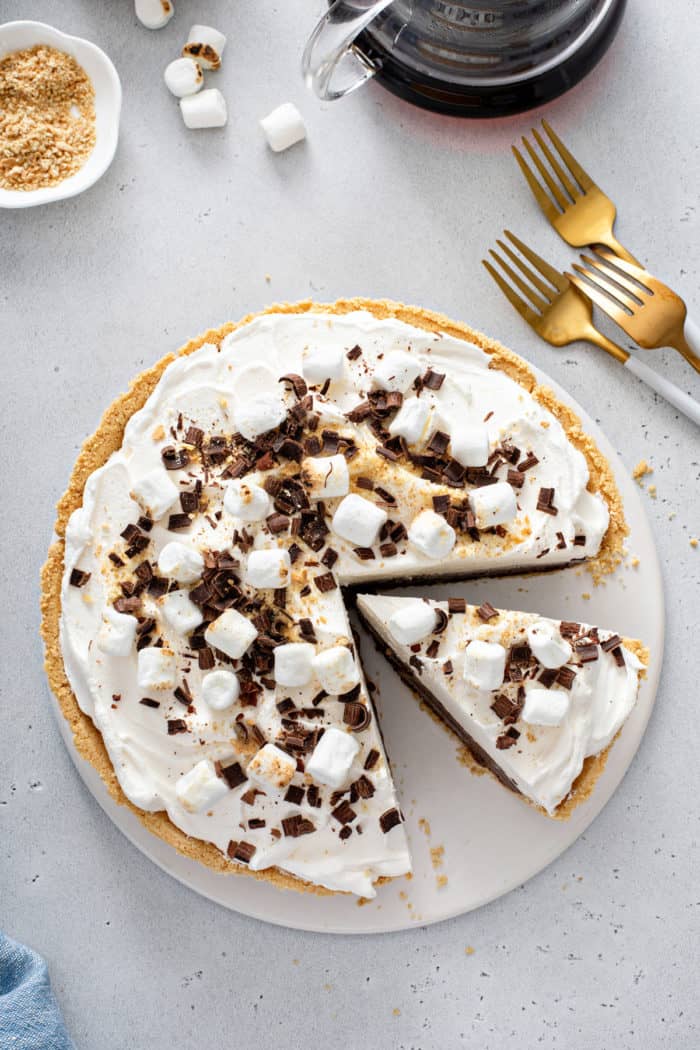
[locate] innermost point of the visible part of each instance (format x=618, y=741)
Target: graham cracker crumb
x=634, y=562
x=586, y=596
x=693, y=542
x=652, y=491
x=641, y=469
x=437, y=856
x=469, y=950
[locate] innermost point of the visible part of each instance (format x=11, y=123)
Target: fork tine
x=608, y=284
x=583, y=178
x=604, y=266
x=530, y=274
x=556, y=167
x=520, y=305
x=525, y=288
x=539, y=194
x=638, y=272
x=601, y=299
x=552, y=275
x=553, y=188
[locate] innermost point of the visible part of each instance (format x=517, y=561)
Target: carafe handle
x=331, y=64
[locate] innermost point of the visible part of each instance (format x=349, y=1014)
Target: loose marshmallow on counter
x=117, y=633
x=232, y=633
x=431, y=534
x=336, y=670
x=469, y=443
x=180, y=562
x=220, y=689
x=246, y=500
x=548, y=645
x=493, y=504
x=157, y=668
x=325, y=477
x=155, y=492
x=180, y=612
x=412, y=623
x=207, y=109
x=268, y=568
x=358, y=521
x=294, y=663
x=323, y=362
x=271, y=767
x=544, y=707
x=205, y=45
x=183, y=77
x=259, y=414
x=154, y=14
x=484, y=664
x=201, y=788
x=283, y=128
x=411, y=420
x=332, y=758
x=396, y=371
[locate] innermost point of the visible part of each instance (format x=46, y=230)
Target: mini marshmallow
x=293, y=663
x=431, y=534
x=232, y=633
x=283, y=127
x=180, y=562
x=180, y=612
x=246, y=500
x=412, y=622
x=271, y=767
x=201, y=788
x=493, y=504
x=411, y=420
x=544, y=707
x=396, y=371
x=270, y=568
x=183, y=77
x=325, y=477
x=358, y=521
x=117, y=633
x=205, y=45
x=220, y=689
x=323, y=362
x=154, y=14
x=336, y=670
x=259, y=414
x=469, y=443
x=484, y=664
x=207, y=109
x=332, y=758
x=155, y=492
x=156, y=668
x=548, y=645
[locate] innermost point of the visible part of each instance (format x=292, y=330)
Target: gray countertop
x=600, y=950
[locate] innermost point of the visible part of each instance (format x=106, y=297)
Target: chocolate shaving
x=486, y=612
x=457, y=605
x=611, y=643
x=233, y=774
x=566, y=677
x=545, y=501
x=78, y=578
x=357, y=716
x=177, y=522
x=297, y=383
x=579, y=540
x=364, y=553
x=372, y=759
x=325, y=583
x=516, y=478
x=174, y=458
x=294, y=794
x=506, y=708
x=441, y=504
x=618, y=656
x=148, y=701
x=243, y=851
x=352, y=355
x=297, y=825
x=390, y=817
x=433, y=380
x=587, y=652
x=176, y=725
x=530, y=460
x=344, y=813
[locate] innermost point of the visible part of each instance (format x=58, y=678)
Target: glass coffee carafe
x=466, y=57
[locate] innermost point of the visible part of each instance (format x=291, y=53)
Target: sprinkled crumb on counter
x=693, y=542
x=641, y=470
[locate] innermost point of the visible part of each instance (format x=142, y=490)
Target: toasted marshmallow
x=154, y=14
x=411, y=420
x=336, y=670
x=201, y=788
x=180, y=562
x=220, y=689
x=155, y=492
x=412, y=623
x=331, y=760
x=269, y=568
x=358, y=521
x=293, y=663
x=431, y=534
x=232, y=633
x=180, y=612
x=205, y=45
x=469, y=443
x=484, y=664
x=548, y=645
x=246, y=500
x=323, y=362
x=183, y=77
x=157, y=668
x=283, y=127
x=544, y=707
x=117, y=633
x=396, y=371
x=259, y=414
x=325, y=477
x=207, y=109
x=271, y=767
x=493, y=504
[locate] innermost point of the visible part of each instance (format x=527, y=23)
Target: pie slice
x=538, y=702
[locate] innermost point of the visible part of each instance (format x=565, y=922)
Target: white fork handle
x=668, y=390
x=691, y=331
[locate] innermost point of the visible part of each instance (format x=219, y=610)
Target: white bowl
x=14, y=36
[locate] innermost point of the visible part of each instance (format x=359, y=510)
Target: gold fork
x=648, y=310
x=561, y=314
x=577, y=209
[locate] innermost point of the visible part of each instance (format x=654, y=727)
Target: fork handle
x=668, y=390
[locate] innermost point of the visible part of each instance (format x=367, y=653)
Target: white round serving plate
x=492, y=840
x=15, y=36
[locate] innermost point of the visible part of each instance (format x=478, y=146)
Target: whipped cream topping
x=537, y=718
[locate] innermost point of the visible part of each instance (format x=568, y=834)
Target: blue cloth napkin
x=29, y=1015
